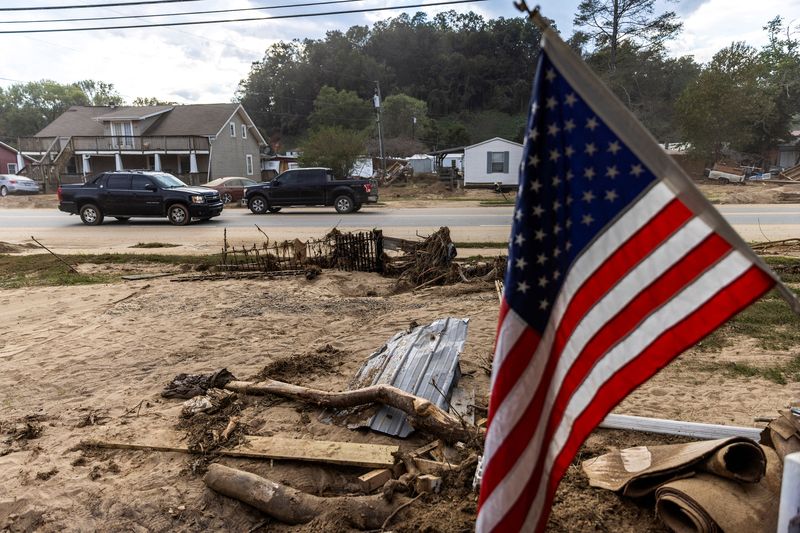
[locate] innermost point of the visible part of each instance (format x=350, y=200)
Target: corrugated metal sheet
x=419, y=362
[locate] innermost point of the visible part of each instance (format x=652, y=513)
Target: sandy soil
x=90, y=361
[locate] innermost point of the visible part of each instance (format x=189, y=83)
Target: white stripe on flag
x=507, y=335
x=507, y=414
x=639, y=278
x=682, y=305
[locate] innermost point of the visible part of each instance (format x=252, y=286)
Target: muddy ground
x=89, y=362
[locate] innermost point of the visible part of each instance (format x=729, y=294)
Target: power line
x=250, y=19
x=85, y=6
x=180, y=14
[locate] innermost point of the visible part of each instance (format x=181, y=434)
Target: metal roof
x=420, y=362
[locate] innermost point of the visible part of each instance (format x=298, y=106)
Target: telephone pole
x=376, y=101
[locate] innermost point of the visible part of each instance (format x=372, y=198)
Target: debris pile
x=361, y=251
x=410, y=383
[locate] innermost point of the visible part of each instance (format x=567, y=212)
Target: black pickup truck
x=123, y=194
x=310, y=186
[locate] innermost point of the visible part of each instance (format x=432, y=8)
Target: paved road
x=476, y=224
x=291, y=218
x=467, y=217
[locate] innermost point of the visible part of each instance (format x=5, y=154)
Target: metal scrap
x=422, y=361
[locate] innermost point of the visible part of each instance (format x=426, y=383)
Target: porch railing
x=121, y=143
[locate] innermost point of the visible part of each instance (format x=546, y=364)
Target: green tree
x=781, y=59
x=402, y=115
x=334, y=147
x=729, y=105
x=150, y=101
x=26, y=108
x=341, y=108
x=648, y=83
x=100, y=92
x=610, y=23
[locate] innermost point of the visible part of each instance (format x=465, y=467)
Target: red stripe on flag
x=649, y=299
x=515, y=362
x=641, y=244
x=726, y=303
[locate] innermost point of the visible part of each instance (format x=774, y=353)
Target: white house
x=493, y=161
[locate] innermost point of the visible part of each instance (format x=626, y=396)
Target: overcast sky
x=204, y=64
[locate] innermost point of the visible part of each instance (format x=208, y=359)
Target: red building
x=8, y=159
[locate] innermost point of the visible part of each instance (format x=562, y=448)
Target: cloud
x=687, y=7
x=200, y=64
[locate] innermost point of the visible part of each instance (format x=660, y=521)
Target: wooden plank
x=135, y=277
x=340, y=453
x=427, y=466
x=377, y=478
x=677, y=427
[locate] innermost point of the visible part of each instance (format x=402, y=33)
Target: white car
x=725, y=177
x=11, y=183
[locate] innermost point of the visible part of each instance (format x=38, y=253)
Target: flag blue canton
x=576, y=176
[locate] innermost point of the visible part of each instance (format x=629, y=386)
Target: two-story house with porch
x=197, y=142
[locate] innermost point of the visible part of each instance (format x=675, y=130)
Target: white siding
x=475, y=171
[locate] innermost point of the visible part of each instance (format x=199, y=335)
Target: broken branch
x=292, y=506
x=422, y=414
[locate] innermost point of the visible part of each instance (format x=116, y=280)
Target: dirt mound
x=293, y=368
x=10, y=248
x=36, y=201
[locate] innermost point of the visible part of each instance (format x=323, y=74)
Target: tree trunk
x=422, y=414
x=292, y=506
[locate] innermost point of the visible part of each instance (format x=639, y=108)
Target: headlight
x=198, y=199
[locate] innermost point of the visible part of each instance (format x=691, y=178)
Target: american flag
x=616, y=265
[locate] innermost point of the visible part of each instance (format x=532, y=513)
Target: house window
x=12, y=168
x=244, y=131
x=249, y=164
x=497, y=162
x=122, y=134
x=233, y=129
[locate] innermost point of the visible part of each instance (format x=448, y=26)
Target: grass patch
x=788, y=268
x=498, y=202
x=45, y=270
x=780, y=374
x=154, y=245
x=769, y=321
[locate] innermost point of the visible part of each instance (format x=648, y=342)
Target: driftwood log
x=292, y=506
x=422, y=414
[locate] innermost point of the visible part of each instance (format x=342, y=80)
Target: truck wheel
x=227, y=198
x=273, y=209
x=178, y=215
x=3, y=191
x=724, y=181
x=257, y=204
x=91, y=215
x=343, y=204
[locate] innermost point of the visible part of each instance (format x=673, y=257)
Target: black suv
x=123, y=194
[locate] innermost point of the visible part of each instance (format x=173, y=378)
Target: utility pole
x=376, y=101
x=413, y=127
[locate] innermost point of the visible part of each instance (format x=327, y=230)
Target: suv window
x=140, y=183
x=119, y=182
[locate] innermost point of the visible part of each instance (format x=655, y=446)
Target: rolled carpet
x=707, y=503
